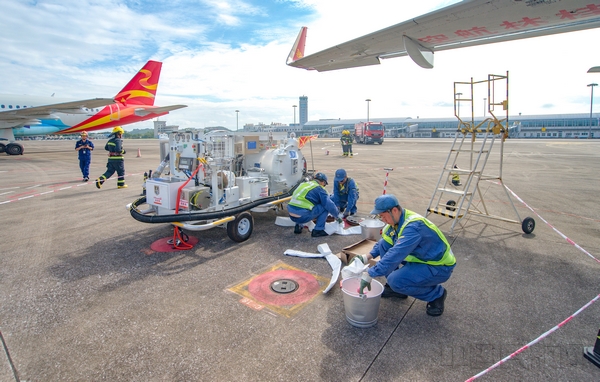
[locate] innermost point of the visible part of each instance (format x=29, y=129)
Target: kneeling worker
x=415, y=256
x=309, y=201
x=345, y=193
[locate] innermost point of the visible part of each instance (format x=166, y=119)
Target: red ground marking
x=162, y=245
x=251, y=304
x=260, y=287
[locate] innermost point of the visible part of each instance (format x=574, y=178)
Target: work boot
x=389, y=292
x=436, y=307
x=86, y=179
x=318, y=233
x=350, y=155
x=99, y=183
x=298, y=228
x=123, y=186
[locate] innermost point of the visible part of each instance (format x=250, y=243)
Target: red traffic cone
x=139, y=153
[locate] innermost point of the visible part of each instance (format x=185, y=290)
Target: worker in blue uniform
x=345, y=193
x=84, y=149
x=415, y=257
x=309, y=201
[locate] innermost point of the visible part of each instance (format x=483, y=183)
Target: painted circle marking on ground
x=260, y=287
x=163, y=245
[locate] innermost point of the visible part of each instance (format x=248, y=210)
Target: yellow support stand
x=455, y=199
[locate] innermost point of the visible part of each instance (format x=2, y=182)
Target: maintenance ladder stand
x=456, y=202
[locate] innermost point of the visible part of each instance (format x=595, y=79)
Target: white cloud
x=94, y=48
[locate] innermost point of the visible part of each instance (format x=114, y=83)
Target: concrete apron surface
x=85, y=296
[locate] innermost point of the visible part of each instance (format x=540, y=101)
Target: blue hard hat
x=385, y=203
x=322, y=177
x=340, y=175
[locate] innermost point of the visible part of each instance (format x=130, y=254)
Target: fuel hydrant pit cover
x=307, y=286
x=284, y=286
x=258, y=292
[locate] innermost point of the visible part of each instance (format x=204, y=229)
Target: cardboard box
x=363, y=247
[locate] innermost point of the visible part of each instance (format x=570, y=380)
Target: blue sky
x=222, y=56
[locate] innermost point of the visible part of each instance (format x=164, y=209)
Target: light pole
x=294, y=106
x=591, y=107
x=458, y=103
x=368, y=101
x=484, y=106
x=237, y=120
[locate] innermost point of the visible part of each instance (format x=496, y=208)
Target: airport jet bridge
x=218, y=178
x=467, y=158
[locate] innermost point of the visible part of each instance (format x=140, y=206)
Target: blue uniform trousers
x=421, y=281
x=84, y=165
x=319, y=212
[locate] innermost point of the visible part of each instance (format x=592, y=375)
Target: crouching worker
x=415, y=256
x=345, y=193
x=309, y=201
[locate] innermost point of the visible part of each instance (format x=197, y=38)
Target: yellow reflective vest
x=299, y=195
x=409, y=217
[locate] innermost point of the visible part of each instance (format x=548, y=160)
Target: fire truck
x=369, y=132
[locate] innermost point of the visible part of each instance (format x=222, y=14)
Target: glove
x=339, y=220
x=365, y=282
x=363, y=258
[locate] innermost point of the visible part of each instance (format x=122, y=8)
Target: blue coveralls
x=421, y=281
x=345, y=196
x=322, y=206
x=85, y=156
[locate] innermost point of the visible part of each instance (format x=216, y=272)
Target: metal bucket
x=371, y=229
x=361, y=310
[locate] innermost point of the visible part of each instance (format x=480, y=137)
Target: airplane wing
x=144, y=111
x=468, y=23
x=72, y=107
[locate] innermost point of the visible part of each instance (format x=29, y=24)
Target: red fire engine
x=369, y=132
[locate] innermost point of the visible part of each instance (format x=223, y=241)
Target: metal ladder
x=456, y=201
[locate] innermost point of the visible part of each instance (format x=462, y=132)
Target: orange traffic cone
x=139, y=153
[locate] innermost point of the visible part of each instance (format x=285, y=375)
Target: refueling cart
x=217, y=179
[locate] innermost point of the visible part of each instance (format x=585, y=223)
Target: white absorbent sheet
x=324, y=251
x=330, y=228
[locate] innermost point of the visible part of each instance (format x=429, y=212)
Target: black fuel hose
x=195, y=216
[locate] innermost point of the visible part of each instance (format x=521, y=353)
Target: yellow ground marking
x=248, y=300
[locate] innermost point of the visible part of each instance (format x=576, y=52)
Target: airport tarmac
x=84, y=297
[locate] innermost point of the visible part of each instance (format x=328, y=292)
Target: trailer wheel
x=240, y=228
x=2, y=148
x=450, y=204
x=528, y=225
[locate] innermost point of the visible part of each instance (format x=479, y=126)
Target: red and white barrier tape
x=557, y=326
x=503, y=360
x=551, y=226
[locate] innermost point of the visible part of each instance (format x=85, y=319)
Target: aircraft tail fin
x=141, y=90
x=297, y=51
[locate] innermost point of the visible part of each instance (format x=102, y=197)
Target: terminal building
x=521, y=126
x=576, y=126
